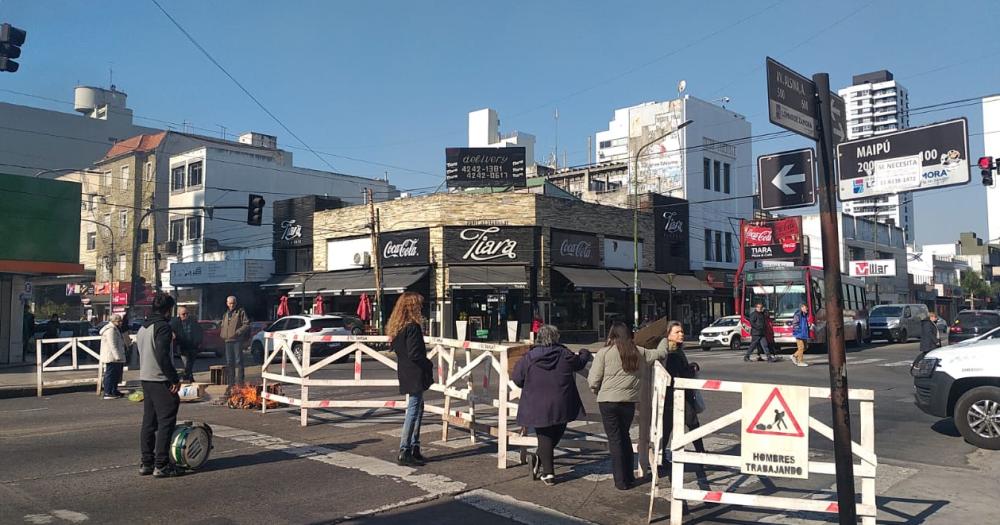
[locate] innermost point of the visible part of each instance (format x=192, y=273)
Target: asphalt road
x=72, y=458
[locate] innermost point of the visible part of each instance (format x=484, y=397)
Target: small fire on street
x=248, y=396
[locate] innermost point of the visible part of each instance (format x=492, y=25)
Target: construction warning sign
x=775, y=431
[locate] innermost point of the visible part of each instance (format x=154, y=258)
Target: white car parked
x=311, y=324
x=725, y=331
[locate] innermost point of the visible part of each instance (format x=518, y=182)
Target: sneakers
x=406, y=459
x=746, y=358
x=548, y=479
x=416, y=455
x=801, y=363
x=113, y=396
x=167, y=471
x=145, y=470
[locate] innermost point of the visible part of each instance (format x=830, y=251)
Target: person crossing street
x=801, y=324
x=758, y=334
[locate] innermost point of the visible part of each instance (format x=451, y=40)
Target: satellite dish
x=681, y=86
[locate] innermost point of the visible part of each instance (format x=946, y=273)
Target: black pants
x=760, y=342
x=617, y=419
x=548, y=439
x=159, y=417
x=690, y=421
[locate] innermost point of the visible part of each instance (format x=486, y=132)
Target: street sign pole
x=828, y=188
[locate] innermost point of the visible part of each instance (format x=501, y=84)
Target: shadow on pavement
x=272, y=456
x=946, y=427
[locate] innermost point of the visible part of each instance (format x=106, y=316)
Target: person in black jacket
x=414, y=370
x=677, y=365
x=929, y=339
x=187, y=336
x=549, y=397
x=160, y=384
x=758, y=333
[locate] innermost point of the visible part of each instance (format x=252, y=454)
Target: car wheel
x=257, y=351
x=977, y=416
x=734, y=343
x=903, y=337
x=705, y=348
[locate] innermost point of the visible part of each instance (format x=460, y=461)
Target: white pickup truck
x=962, y=381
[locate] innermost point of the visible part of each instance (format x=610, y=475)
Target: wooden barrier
x=73, y=345
x=864, y=451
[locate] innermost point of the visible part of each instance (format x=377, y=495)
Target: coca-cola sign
x=776, y=239
x=574, y=248
x=489, y=245
x=404, y=248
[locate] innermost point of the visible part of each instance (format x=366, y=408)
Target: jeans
x=690, y=421
x=617, y=419
x=188, y=356
x=112, y=376
x=548, y=440
x=159, y=417
x=411, y=422
x=234, y=359
x=760, y=342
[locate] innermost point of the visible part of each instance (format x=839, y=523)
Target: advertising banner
x=571, y=248
x=483, y=167
x=872, y=268
x=404, y=248
x=779, y=239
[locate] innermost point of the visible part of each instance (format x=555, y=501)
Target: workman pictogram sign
x=775, y=431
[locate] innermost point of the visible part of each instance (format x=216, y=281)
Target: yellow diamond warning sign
x=775, y=431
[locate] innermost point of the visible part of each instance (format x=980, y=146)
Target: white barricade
x=864, y=451
x=74, y=346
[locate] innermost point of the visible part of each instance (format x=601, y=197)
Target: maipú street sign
x=914, y=159
x=791, y=103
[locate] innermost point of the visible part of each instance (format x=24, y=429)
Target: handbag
x=697, y=400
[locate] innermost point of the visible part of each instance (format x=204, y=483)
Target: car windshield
x=887, y=311
x=780, y=300
x=977, y=320
x=732, y=321
x=328, y=323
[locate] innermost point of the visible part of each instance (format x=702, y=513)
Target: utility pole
x=878, y=301
x=376, y=267
x=843, y=457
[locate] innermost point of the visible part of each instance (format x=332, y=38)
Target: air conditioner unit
x=212, y=245
x=363, y=259
x=170, y=247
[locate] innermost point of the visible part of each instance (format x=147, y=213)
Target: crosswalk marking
x=906, y=362
x=865, y=361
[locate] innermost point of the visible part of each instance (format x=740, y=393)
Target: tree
x=974, y=286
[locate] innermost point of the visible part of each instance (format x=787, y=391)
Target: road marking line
x=865, y=361
x=514, y=509
x=433, y=484
x=899, y=363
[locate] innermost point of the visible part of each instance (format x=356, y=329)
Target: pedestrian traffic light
x=11, y=40
x=255, y=210
x=986, y=169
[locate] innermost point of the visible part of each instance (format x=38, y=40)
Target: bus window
x=817, y=293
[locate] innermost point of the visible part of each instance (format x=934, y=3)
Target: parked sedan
x=211, y=341
x=311, y=324
x=725, y=332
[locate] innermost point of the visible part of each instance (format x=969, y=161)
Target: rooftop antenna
x=681, y=86
x=111, y=75
x=557, y=139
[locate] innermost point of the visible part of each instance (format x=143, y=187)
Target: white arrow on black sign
x=786, y=180
x=783, y=179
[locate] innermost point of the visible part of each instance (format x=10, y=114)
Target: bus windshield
x=781, y=300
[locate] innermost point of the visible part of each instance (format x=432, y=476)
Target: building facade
x=877, y=104
x=211, y=256
x=493, y=259
x=35, y=140
x=484, y=132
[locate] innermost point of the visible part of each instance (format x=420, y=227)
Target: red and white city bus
x=781, y=289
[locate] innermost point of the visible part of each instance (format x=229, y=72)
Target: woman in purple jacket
x=549, y=398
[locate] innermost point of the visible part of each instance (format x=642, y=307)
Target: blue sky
x=386, y=86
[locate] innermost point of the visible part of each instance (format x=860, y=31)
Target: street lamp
x=635, y=217
x=111, y=236
x=670, y=297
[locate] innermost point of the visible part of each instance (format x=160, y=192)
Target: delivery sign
x=779, y=239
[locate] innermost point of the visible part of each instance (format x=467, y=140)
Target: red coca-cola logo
x=788, y=233
x=758, y=236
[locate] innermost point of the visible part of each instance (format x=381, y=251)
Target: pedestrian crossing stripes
x=818, y=360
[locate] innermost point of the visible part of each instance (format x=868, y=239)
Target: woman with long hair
x=549, y=398
x=413, y=369
x=616, y=378
x=677, y=365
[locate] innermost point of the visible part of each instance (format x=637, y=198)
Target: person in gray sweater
x=616, y=377
x=160, y=383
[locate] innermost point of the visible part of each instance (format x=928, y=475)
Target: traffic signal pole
x=828, y=188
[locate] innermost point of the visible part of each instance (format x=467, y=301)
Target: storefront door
x=488, y=311
x=599, y=321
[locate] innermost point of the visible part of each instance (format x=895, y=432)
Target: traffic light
x=11, y=40
x=986, y=169
x=255, y=210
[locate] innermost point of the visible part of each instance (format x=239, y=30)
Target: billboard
x=779, y=239
x=872, y=268
x=484, y=167
x=489, y=245
x=43, y=236
x=404, y=248
x=574, y=248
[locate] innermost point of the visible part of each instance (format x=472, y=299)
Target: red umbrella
x=318, y=305
x=364, y=308
x=283, y=306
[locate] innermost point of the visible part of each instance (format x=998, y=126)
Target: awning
x=351, y=282
x=688, y=283
x=591, y=278
x=487, y=277
x=647, y=280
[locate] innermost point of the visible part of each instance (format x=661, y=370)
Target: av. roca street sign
x=786, y=179
x=791, y=103
x=910, y=160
